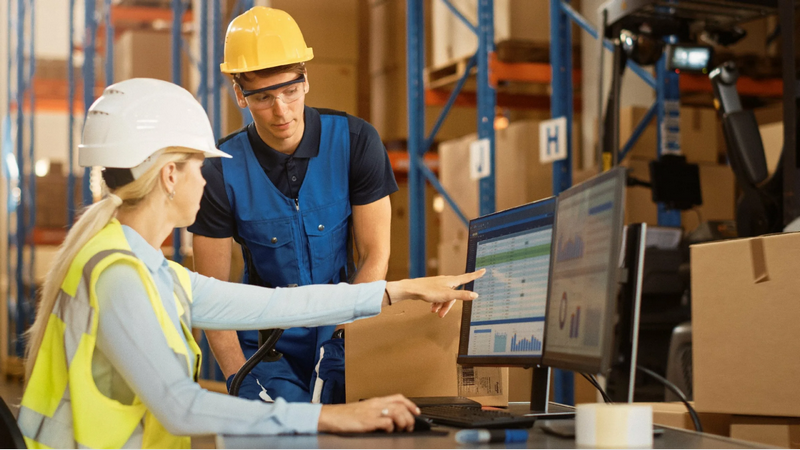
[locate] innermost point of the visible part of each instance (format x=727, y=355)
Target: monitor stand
x=541, y=406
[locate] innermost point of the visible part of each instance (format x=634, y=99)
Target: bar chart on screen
x=508, y=317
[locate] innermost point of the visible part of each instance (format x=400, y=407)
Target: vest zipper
x=297, y=204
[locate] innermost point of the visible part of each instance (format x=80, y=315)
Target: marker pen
x=480, y=436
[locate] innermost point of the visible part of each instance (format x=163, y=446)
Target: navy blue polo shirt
x=371, y=175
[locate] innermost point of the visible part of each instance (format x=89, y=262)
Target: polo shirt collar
x=308, y=147
x=151, y=257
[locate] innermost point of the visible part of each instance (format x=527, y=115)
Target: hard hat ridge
x=134, y=119
x=262, y=38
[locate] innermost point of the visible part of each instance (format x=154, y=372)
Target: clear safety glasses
x=264, y=98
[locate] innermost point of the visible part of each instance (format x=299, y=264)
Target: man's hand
x=384, y=413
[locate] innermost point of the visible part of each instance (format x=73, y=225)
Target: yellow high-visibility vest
x=62, y=407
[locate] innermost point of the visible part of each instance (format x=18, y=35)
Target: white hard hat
x=135, y=119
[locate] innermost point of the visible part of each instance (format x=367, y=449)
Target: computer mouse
x=421, y=424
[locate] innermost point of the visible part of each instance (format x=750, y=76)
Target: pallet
x=510, y=51
x=447, y=74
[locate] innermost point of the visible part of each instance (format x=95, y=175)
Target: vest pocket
x=326, y=229
x=273, y=250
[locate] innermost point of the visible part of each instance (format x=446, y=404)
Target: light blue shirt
x=132, y=355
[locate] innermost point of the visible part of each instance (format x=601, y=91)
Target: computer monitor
x=584, y=274
x=504, y=326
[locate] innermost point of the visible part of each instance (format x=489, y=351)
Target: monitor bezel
x=466, y=310
x=569, y=361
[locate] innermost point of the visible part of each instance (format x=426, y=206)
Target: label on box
x=553, y=140
x=479, y=381
x=480, y=159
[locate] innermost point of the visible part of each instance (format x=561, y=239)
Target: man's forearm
x=212, y=258
x=226, y=349
x=371, y=268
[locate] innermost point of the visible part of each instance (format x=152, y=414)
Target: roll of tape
x=614, y=426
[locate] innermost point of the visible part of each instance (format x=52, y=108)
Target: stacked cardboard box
x=388, y=95
x=399, y=260
x=146, y=54
x=744, y=316
x=452, y=40
x=51, y=197
x=519, y=179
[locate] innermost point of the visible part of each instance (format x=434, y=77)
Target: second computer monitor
x=505, y=325
x=584, y=272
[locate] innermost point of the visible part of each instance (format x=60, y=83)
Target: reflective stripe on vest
x=62, y=407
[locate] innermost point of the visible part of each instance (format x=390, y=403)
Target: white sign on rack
x=553, y=140
x=480, y=159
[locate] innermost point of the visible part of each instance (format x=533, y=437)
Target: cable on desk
x=675, y=390
x=591, y=379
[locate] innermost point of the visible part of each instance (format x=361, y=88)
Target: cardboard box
x=389, y=110
x=409, y=350
x=519, y=179
x=717, y=184
x=674, y=414
x=399, y=258
x=51, y=197
x=332, y=85
x=146, y=54
x=778, y=431
x=744, y=326
x=699, y=128
x=329, y=28
x=451, y=39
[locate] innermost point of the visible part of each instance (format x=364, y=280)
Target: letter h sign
x=553, y=140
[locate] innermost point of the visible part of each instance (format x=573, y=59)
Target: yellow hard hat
x=262, y=38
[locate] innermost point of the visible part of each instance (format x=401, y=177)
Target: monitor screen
x=689, y=58
x=505, y=324
x=581, y=303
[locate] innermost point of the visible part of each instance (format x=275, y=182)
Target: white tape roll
x=614, y=426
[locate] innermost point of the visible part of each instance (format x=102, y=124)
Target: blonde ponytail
x=93, y=219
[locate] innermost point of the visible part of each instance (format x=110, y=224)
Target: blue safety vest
x=289, y=241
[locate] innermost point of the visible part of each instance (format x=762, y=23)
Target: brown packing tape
x=759, y=260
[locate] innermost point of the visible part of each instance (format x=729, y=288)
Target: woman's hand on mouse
x=391, y=413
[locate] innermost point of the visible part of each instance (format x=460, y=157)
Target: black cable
x=251, y=363
x=602, y=391
x=675, y=390
x=591, y=379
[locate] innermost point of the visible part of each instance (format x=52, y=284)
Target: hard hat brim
x=226, y=68
x=216, y=153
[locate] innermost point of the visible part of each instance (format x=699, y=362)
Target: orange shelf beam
x=400, y=163
x=768, y=87
x=52, y=94
x=121, y=15
x=439, y=97
x=525, y=72
x=47, y=236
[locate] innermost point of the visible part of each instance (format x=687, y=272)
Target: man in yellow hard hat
x=301, y=183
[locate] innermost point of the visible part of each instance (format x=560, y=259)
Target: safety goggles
x=290, y=92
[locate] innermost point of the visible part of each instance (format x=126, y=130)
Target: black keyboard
x=471, y=417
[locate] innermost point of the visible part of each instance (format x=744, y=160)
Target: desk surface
x=672, y=438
